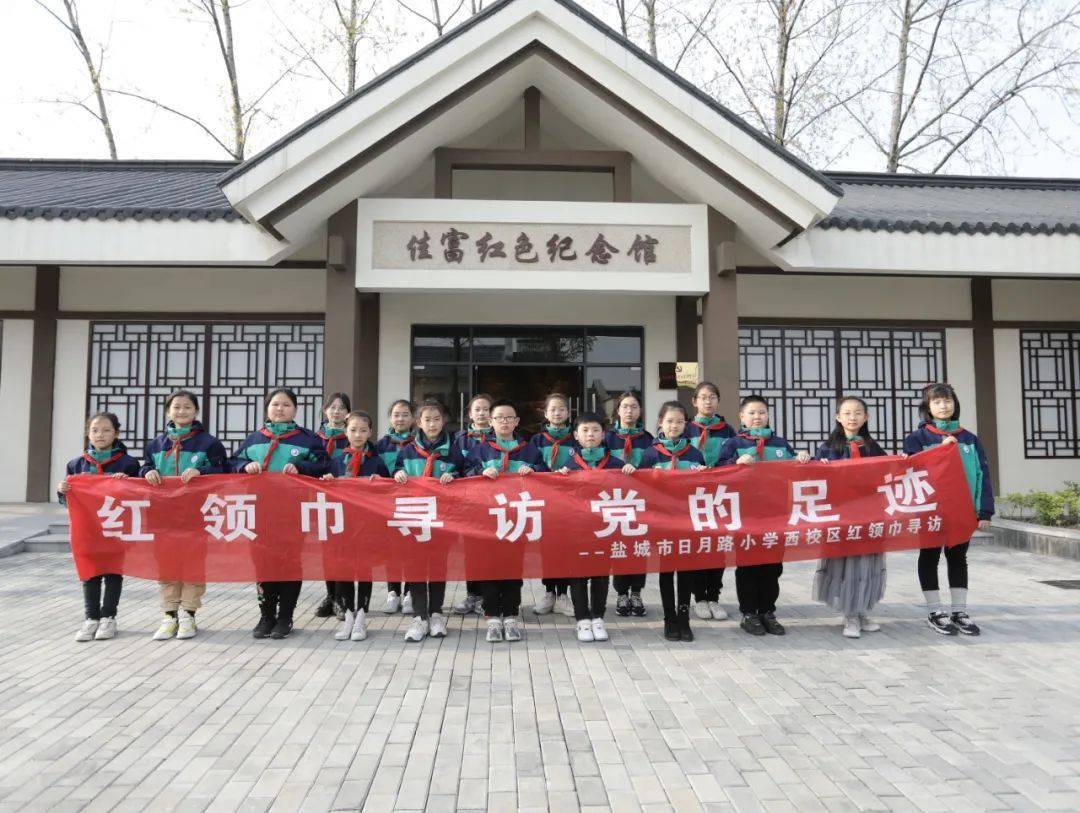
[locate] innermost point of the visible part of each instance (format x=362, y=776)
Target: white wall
x=960, y=372
x=15, y=368
x=17, y=287
x=400, y=311
x=1017, y=472
x=1038, y=300
x=69, y=394
x=229, y=290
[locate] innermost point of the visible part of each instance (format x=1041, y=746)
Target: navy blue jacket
x=200, y=451
x=655, y=457
x=490, y=455
x=610, y=462
x=639, y=440
x=775, y=448
x=468, y=439
x=450, y=460
x=372, y=463
x=972, y=455
x=826, y=452
x=120, y=463
x=301, y=447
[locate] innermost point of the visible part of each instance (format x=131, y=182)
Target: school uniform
x=352, y=463
x=757, y=586
x=589, y=595
x=274, y=446
x=170, y=454
x=628, y=444
x=851, y=585
x=111, y=461
x=556, y=444
x=426, y=458
x=388, y=447
x=708, y=435
x=466, y=440
x=674, y=455
x=502, y=597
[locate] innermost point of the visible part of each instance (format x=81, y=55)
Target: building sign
x=531, y=245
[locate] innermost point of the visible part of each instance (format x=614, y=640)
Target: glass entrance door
x=528, y=387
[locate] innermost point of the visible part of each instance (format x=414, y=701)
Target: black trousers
x=955, y=564
x=502, y=597
x=712, y=580
x=394, y=587
x=625, y=584
x=557, y=586
x=589, y=597
x=354, y=595
x=758, y=587
x=96, y=609
x=672, y=597
x=474, y=588
x=427, y=597
x=278, y=599
x=331, y=589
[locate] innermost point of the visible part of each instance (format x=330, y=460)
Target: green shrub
x=1054, y=508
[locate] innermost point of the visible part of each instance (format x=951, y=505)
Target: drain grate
x=1064, y=584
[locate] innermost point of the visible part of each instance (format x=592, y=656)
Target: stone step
x=60, y=526
x=47, y=544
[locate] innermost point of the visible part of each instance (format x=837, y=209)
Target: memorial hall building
x=532, y=204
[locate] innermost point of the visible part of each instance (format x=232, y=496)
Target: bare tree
x=436, y=16
x=71, y=24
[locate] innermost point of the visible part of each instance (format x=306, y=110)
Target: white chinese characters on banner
x=230, y=517
x=707, y=510
x=527, y=518
x=907, y=493
x=329, y=517
x=808, y=502
x=113, y=525
x=415, y=516
x=620, y=513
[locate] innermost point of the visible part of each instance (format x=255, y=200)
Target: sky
x=159, y=48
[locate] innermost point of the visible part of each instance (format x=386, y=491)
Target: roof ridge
x=115, y=165
x=955, y=181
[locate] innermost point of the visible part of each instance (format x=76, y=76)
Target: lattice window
x=1050, y=369
x=802, y=371
x=135, y=365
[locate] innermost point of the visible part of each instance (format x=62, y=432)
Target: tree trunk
x=783, y=44
x=95, y=76
x=892, y=159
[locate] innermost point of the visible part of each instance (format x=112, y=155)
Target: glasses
x=504, y=418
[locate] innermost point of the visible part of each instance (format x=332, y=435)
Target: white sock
x=933, y=600
x=959, y=599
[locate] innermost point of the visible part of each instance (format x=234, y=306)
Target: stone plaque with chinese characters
x=482, y=246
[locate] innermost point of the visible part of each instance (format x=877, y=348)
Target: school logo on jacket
x=294, y=452
x=196, y=458
x=779, y=452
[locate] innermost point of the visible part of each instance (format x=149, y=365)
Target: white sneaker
x=851, y=627
x=867, y=624
x=343, y=632
x=393, y=603
x=494, y=630
x=406, y=605
x=598, y=631
x=718, y=613
x=186, y=627
x=106, y=629
x=359, y=627
x=87, y=630
x=564, y=605
x=512, y=629
x=467, y=606
x=418, y=630
x=545, y=605
x=438, y=625
x=584, y=631
x=701, y=610
x=167, y=629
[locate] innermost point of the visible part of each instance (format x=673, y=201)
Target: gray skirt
x=850, y=584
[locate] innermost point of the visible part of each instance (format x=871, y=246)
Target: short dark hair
x=932, y=391
x=337, y=396
x=404, y=401
x=504, y=402
x=589, y=417
x=430, y=404
x=673, y=406
x=753, y=399
x=182, y=394
x=279, y=391
x=359, y=413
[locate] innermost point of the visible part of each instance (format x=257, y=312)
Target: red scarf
x=585, y=465
x=855, y=448
x=674, y=456
x=759, y=443
x=935, y=431
x=505, y=464
x=555, y=444
x=332, y=442
x=628, y=443
x=703, y=438
x=101, y=466
x=430, y=457
x=354, y=460
x=274, y=440
x=174, y=450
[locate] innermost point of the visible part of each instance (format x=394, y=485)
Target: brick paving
x=899, y=720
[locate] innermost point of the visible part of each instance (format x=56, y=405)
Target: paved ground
x=900, y=720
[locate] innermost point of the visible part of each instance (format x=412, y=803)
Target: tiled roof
x=114, y=190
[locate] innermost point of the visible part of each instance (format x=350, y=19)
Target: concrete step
x=47, y=544
x=60, y=527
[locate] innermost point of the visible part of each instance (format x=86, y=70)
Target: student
x=673, y=452
x=708, y=432
x=505, y=453
x=279, y=446
x=556, y=443
x=628, y=440
x=432, y=453
x=940, y=416
x=332, y=433
x=105, y=455
x=852, y=585
x=590, y=594
x=397, y=437
x=183, y=450
x=358, y=460
x=478, y=431
x=758, y=586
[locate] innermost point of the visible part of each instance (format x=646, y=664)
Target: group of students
x=418, y=445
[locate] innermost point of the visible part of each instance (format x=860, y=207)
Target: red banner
x=276, y=527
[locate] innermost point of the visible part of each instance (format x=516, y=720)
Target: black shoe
x=262, y=629
x=281, y=629
x=637, y=606
x=964, y=624
x=671, y=629
x=939, y=622
x=751, y=623
x=622, y=605
x=339, y=609
x=685, y=633
x=771, y=625
x=325, y=608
